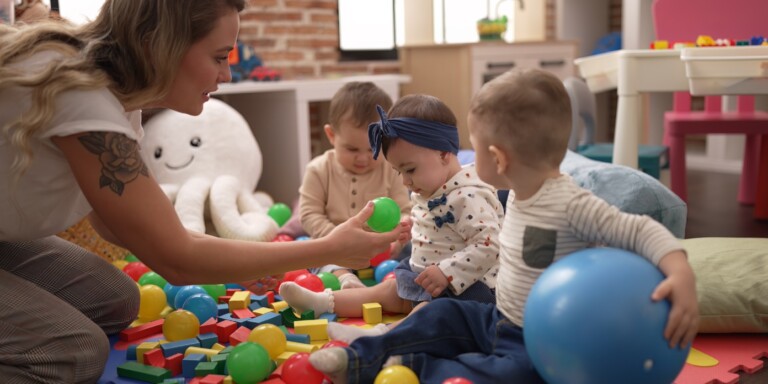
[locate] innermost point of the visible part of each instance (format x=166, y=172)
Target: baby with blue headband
x=456, y=219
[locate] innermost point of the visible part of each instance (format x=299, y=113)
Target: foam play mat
x=720, y=358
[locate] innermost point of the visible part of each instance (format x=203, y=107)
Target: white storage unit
x=455, y=72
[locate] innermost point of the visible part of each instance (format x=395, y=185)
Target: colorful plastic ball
x=131, y=258
x=135, y=269
x=389, y=276
x=396, y=374
x=385, y=216
x=120, y=264
x=298, y=370
x=282, y=238
x=302, y=238
x=383, y=269
x=456, y=380
x=330, y=280
x=590, y=316
x=280, y=213
x=334, y=343
x=185, y=293
x=181, y=324
x=153, y=278
x=202, y=305
x=271, y=338
x=381, y=257
x=248, y=363
x=170, y=293
x=310, y=281
x=292, y=275
x=215, y=290
x=151, y=302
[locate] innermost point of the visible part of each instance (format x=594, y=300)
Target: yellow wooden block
x=293, y=346
x=281, y=358
x=203, y=351
x=145, y=347
x=240, y=300
x=218, y=347
x=228, y=380
x=262, y=311
x=366, y=273
x=278, y=306
x=372, y=313
x=316, y=329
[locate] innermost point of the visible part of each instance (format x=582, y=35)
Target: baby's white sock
x=350, y=280
x=393, y=360
x=302, y=299
x=332, y=362
x=350, y=333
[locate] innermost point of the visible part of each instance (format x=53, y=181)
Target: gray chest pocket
x=539, y=247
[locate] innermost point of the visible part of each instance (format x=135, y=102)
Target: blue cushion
x=628, y=189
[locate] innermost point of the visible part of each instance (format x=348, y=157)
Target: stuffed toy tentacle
x=227, y=219
x=247, y=202
x=190, y=203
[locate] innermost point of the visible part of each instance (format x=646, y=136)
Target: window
x=367, y=30
x=455, y=21
x=78, y=11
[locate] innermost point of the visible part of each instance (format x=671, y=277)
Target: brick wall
x=300, y=39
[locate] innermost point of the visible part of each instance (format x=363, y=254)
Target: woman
x=70, y=101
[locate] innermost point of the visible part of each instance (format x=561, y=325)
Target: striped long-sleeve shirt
x=559, y=219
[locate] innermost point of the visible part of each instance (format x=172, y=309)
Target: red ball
x=310, y=281
x=378, y=259
x=298, y=370
x=456, y=380
x=135, y=269
x=334, y=343
x=281, y=238
x=388, y=276
x=292, y=275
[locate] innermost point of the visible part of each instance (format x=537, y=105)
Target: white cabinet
x=455, y=72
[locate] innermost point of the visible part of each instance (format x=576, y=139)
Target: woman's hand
x=356, y=245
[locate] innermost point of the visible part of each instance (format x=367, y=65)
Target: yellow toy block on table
x=372, y=313
x=316, y=329
x=262, y=311
x=240, y=300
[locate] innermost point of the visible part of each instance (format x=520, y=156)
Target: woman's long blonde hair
x=134, y=48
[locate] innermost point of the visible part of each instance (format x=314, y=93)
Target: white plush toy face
x=217, y=142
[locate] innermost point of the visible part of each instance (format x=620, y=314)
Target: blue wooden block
x=260, y=299
x=130, y=352
x=222, y=309
x=207, y=340
x=228, y=316
x=297, y=338
x=190, y=362
x=171, y=348
x=331, y=317
x=267, y=318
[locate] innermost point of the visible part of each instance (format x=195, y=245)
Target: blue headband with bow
x=424, y=133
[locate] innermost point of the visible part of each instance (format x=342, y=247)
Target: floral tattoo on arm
x=119, y=156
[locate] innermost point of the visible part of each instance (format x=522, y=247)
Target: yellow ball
x=120, y=264
x=152, y=303
x=181, y=324
x=396, y=374
x=270, y=337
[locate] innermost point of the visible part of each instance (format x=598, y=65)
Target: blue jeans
x=448, y=338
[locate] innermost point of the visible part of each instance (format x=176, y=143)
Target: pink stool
x=745, y=120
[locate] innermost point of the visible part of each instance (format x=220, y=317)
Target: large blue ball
x=202, y=305
x=589, y=318
x=186, y=292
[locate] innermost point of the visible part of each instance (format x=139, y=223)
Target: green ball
x=280, y=213
x=248, y=363
x=131, y=258
x=153, y=278
x=329, y=280
x=215, y=290
x=386, y=215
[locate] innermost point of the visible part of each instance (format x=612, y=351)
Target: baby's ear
x=329, y=133
x=500, y=157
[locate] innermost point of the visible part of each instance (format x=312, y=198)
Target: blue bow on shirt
x=436, y=202
x=447, y=218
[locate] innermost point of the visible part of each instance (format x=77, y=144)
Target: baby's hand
x=262, y=285
x=680, y=288
x=432, y=280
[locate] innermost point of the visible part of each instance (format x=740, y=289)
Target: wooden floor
x=713, y=210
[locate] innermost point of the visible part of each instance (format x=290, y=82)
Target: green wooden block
x=209, y=368
x=147, y=373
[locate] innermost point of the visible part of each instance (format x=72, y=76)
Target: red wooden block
x=231, y=291
x=224, y=299
x=142, y=331
x=173, y=363
x=195, y=380
x=224, y=329
x=155, y=358
x=270, y=297
x=208, y=327
x=243, y=313
x=238, y=336
x=212, y=379
x=734, y=353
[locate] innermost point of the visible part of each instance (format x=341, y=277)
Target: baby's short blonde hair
x=528, y=113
